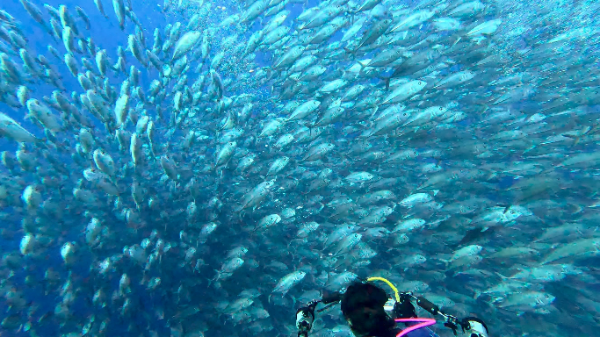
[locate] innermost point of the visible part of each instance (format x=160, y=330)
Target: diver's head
x=362, y=306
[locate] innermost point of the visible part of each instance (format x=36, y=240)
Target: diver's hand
x=404, y=308
x=304, y=319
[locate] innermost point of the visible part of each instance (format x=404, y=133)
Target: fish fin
x=351, y=52
x=504, y=278
x=386, y=80
x=575, y=139
x=362, y=66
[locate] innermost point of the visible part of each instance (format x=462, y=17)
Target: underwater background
x=205, y=168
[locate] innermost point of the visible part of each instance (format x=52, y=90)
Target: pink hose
x=423, y=323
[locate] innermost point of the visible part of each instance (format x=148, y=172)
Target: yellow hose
x=377, y=278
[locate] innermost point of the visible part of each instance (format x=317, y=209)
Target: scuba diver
x=371, y=313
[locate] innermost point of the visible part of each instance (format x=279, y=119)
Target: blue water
x=107, y=35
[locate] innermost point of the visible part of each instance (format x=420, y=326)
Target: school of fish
x=234, y=161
